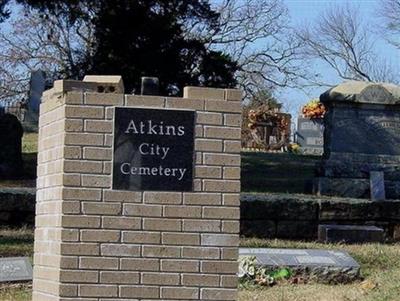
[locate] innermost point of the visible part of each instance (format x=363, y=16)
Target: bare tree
x=36, y=41
x=340, y=39
x=389, y=12
x=256, y=34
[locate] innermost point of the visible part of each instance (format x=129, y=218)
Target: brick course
x=93, y=243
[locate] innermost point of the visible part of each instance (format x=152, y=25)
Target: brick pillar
x=94, y=243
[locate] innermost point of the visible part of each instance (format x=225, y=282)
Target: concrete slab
x=327, y=266
x=15, y=269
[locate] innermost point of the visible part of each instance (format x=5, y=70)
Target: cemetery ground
x=380, y=269
x=287, y=173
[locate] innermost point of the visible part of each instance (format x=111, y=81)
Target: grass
x=16, y=242
x=16, y=292
x=29, y=143
x=29, y=155
x=277, y=172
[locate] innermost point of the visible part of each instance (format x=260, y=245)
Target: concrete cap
x=363, y=92
x=108, y=80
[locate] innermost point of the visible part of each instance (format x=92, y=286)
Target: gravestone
x=362, y=136
x=326, y=265
x=11, y=165
x=310, y=135
x=350, y=233
x=150, y=86
x=15, y=269
x=138, y=196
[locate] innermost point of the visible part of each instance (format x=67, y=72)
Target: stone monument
x=37, y=85
x=11, y=132
x=138, y=196
x=361, y=141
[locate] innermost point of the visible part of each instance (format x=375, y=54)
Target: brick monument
x=138, y=196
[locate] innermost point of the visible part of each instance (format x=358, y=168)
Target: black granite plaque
x=153, y=149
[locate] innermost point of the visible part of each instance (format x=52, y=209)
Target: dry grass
x=16, y=292
x=16, y=242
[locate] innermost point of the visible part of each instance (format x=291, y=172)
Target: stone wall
x=262, y=215
x=93, y=243
x=297, y=216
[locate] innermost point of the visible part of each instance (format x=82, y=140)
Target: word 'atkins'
x=148, y=128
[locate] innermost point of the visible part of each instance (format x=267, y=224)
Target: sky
x=302, y=11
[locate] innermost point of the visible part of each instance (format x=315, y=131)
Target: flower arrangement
x=294, y=148
x=266, y=116
x=253, y=119
x=314, y=109
x=251, y=274
x=265, y=128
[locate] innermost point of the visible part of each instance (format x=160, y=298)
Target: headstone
x=10, y=147
x=326, y=265
x=15, y=269
x=144, y=195
x=150, y=86
x=350, y=233
x=310, y=135
x=377, y=185
x=362, y=135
